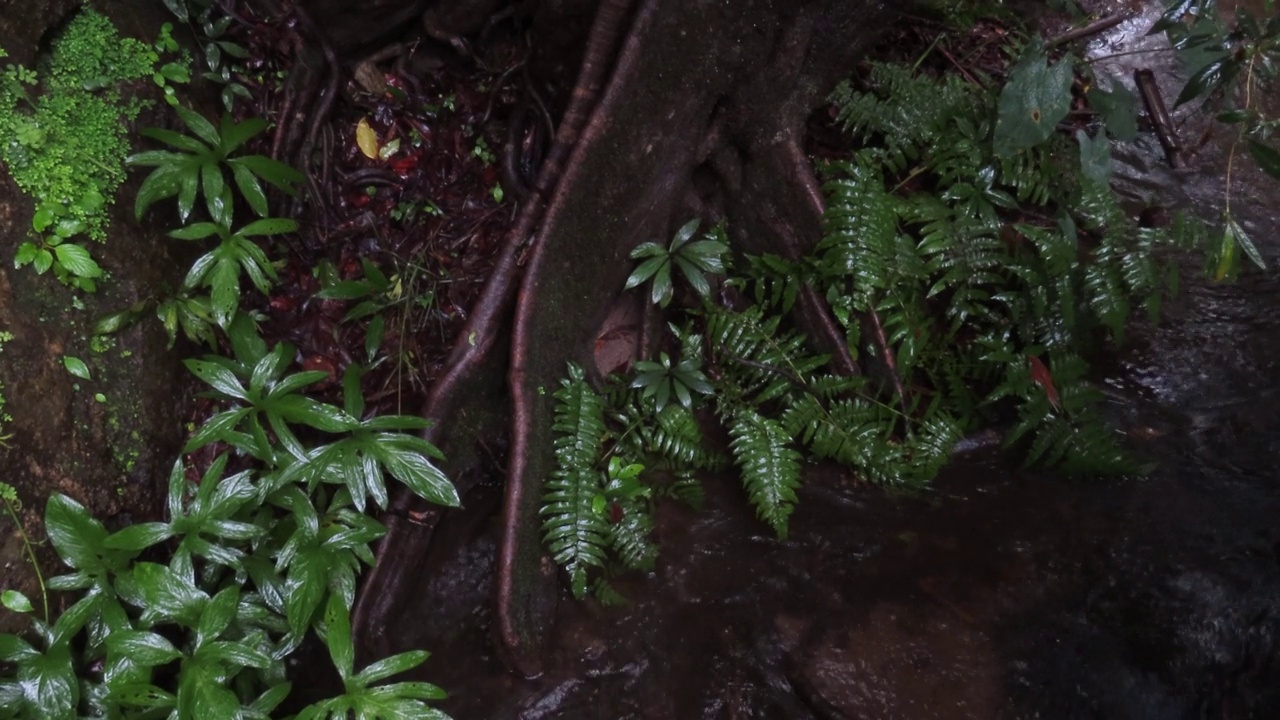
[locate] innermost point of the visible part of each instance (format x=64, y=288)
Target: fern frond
x=687, y=488
x=675, y=435
x=630, y=537
x=770, y=466
x=575, y=534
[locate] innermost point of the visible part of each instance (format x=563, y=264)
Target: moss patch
x=64, y=141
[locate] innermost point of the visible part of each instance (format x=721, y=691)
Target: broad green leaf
x=304, y=410
x=697, y=279
x=139, y=537
x=195, y=231
x=305, y=588
x=1118, y=110
x=43, y=261
x=396, y=664
x=662, y=286
x=145, y=648
x=171, y=138
x=250, y=189
x=1267, y=157
x=199, y=125
x=419, y=475
x=75, y=534
x=216, y=428
x=216, y=197
x=224, y=283
x=140, y=695
x=167, y=594
x=684, y=234
x=337, y=622
x=236, y=653
x=648, y=249
x=217, y=615
x=1095, y=159
x=76, y=366
x=76, y=260
x=49, y=684
x=189, y=184
x=1208, y=78
x=15, y=601
x=15, y=649
x=218, y=377
x=268, y=226
x=236, y=134
x=163, y=182
x=1033, y=101
x=277, y=173
x=1242, y=238
x=646, y=270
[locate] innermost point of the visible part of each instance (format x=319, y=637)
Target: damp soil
x=1000, y=593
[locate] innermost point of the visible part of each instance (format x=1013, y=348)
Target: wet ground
x=1000, y=595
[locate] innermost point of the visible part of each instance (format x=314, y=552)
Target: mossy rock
x=107, y=441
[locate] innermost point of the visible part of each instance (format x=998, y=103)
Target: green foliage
x=575, y=532
x=1233, y=63
x=194, y=615
x=196, y=165
x=1036, y=97
x=660, y=380
x=971, y=255
x=220, y=268
x=694, y=259
x=210, y=25
x=67, y=142
x=257, y=558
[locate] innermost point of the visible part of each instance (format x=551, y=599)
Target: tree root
x=409, y=531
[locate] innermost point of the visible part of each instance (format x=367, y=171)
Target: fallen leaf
x=367, y=139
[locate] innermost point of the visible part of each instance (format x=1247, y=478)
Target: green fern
x=573, y=530
x=770, y=466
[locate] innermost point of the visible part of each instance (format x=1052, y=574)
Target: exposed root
x=604, y=37
x=409, y=532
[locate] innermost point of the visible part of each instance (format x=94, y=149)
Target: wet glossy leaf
x=76, y=260
x=17, y=602
x=1267, y=157
x=76, y=366
x=396, y=664
x=199, y=125
x=75, y=534
x=1208, y=78
x=1032, y=103
x=218, y=377
x=49, y=684
x=139, y=537
x=145, y=648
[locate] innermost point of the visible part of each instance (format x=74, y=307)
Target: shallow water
x=1000, y=595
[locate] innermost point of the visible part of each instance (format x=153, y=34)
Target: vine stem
x=31, y=554
x=1231, y=154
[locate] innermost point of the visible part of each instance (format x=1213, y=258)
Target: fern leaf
x=630, y=537
x=575, y=534
x=770, y=467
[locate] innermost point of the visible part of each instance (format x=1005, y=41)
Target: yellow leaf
x=367, y=139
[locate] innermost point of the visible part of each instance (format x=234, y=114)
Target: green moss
x=67, y=144
x=63, y=138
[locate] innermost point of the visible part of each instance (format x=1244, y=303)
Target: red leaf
x=1041, y=376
